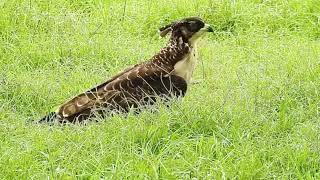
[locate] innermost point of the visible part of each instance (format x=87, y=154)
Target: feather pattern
x=135, y=86
x=140, y=84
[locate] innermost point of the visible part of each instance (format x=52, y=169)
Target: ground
x=254, y=114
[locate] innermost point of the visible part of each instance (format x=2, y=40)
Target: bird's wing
x=132, y=83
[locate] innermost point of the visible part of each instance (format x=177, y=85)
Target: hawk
x=167, y=74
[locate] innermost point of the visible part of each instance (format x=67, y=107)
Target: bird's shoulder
x=130, y=76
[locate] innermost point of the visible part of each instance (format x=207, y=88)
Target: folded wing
x=136, y=86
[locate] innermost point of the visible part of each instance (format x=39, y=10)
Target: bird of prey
x=167, y=74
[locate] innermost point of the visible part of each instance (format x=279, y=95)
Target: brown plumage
x=165, y=75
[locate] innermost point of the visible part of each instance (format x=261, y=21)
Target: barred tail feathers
x=51, y=117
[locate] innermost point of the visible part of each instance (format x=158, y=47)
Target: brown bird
x=167, y=74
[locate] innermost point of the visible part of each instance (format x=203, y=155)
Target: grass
x=256, y=113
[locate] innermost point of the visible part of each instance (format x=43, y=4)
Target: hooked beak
x=208, y=28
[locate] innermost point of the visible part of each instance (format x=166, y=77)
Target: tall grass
x=255, y=113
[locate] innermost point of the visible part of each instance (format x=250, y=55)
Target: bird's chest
x=184, y=68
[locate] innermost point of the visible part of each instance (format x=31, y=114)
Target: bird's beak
x=208, y=28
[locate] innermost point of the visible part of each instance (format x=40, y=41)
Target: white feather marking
x=185, y=67
x=137, y=71
x=174, y=50
x=80, y=104
x=120, y=85
x=131, y=83
x=180, y=41
x=64, y=114
x=127, y=76
x=100, y=97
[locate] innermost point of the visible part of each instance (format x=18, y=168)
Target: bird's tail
x=51, y=117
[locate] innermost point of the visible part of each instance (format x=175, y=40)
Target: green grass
x=256, y=113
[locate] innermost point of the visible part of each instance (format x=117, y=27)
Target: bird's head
x=189, y=29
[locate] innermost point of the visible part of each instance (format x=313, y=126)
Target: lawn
x=254, y=114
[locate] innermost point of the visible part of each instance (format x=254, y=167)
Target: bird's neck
x=175, y=51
